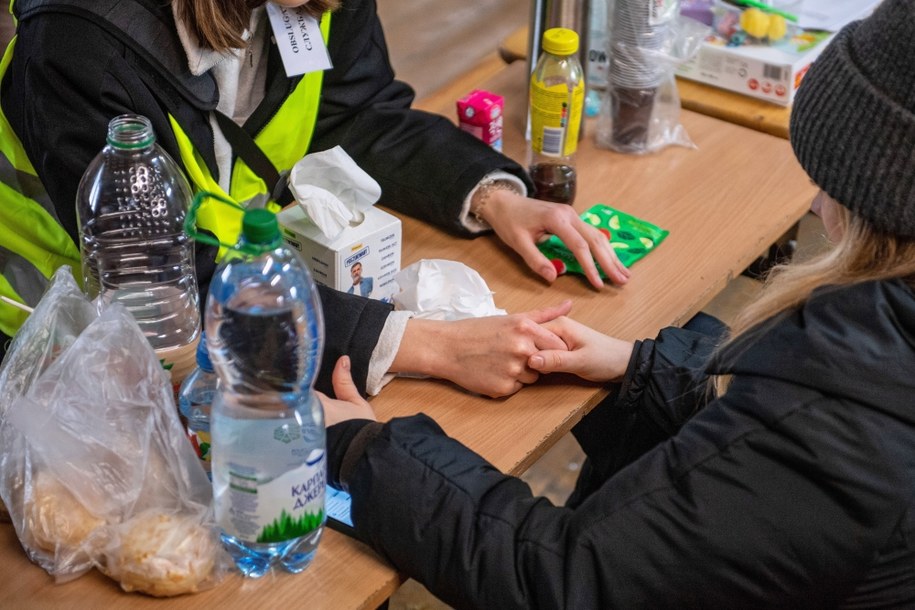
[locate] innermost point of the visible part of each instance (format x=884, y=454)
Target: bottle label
x=273, y=494
x=556, y=118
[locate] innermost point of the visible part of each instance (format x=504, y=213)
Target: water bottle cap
x=560, y=41
x=203, y=354
x=259, y=226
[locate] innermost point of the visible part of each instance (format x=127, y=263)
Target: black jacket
x=74, y=69
x=794, y=489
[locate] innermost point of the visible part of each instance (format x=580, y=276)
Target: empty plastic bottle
x=265, y=333
x=195, y=400
x=130, y=206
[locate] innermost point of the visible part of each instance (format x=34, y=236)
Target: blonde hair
x=219, y=25
x=861, y=254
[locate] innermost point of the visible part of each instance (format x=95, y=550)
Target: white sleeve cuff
x=385, y=350
x=472, y=224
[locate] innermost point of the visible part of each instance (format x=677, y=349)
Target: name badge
x=298, y=36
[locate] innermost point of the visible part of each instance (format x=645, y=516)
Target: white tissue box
x=374, y=245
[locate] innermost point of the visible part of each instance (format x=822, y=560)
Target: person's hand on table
x=484, y=355
x=348, y=403
x=522, y=222
x=589, y=354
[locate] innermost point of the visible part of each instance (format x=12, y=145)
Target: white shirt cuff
x=472, y=224
x=385, y=350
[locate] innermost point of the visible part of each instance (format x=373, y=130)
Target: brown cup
x=631, y=113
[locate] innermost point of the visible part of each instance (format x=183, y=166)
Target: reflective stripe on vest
x=285, y=140
x=33, y=244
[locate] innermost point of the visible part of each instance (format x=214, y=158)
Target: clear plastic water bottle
x=130, y=206
x=195, y=399
x=265, y=333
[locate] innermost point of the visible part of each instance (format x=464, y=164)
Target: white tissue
x=444, y=290
x=332, y=190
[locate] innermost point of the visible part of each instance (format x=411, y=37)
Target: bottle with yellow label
x=556, y=100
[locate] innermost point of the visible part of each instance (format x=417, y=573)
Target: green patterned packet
x=632, y=238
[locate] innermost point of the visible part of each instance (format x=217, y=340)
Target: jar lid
x=560, y=41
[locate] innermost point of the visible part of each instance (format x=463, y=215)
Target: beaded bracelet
x=484, y=190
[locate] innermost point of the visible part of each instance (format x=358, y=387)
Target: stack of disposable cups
x=638, y=33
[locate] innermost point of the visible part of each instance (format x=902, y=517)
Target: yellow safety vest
x=34, y=244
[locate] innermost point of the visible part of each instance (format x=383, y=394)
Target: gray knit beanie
x=853, y=120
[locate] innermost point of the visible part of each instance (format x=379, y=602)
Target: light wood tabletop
x=723, y=203
x=713, y=101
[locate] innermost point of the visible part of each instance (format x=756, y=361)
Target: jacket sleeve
x=66, y=81
x=664, y=385
x=425, y=165
x=744, y=507
x=352, y=326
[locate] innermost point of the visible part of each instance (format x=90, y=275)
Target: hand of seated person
x=486, y=355
x=348, y=403
x=521, y=222
x=589, y=354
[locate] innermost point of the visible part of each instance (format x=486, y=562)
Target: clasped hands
x=495, y=356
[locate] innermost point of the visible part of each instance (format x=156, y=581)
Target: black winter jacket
x=796, y=489
x=72, y=71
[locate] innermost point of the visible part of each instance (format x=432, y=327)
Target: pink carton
x=480, y=114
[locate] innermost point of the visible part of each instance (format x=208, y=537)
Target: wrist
x=417, y=352
x=490, y=195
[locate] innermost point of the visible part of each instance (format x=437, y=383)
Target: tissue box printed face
x=362, y=260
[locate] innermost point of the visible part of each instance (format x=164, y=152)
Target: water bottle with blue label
x=265, y=334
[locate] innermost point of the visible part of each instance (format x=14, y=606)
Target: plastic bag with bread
x=53, y=326
x=95, y=468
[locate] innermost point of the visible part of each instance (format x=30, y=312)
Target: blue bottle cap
x=203, y=354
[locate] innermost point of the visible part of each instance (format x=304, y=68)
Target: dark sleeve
x=346, y=442
x=746, y=506
x=425, y=165
x=352, y=326
x=664, y=385
x=67, y=80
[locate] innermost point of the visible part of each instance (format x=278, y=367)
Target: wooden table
x=723, y=203
x=713, y=101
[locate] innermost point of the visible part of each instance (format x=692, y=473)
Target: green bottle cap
x=560, y=41
x=259, y=226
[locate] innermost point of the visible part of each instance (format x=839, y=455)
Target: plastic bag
x=640, y=110
x=95, y=468
x=51, y=328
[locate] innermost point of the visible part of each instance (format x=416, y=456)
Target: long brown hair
x=861, y=254
x=220, y=24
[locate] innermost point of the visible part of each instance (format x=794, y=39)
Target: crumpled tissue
x=332, y=190
x=440, y=289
